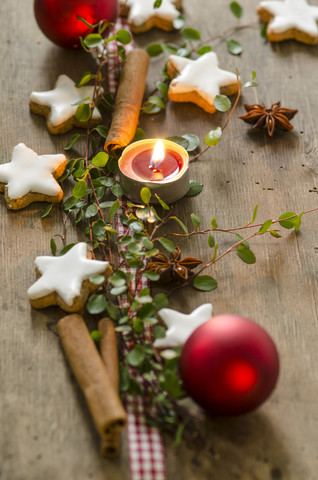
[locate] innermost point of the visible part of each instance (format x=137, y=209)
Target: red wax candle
x=165, y=169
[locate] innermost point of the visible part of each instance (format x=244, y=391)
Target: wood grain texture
x=45, y=429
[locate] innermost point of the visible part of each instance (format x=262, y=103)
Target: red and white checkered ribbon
x=145, y=446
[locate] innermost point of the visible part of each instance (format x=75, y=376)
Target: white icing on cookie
x=65, y=275
x=29, y=172
x=62, y=99
x=180, y=326
x=202, y=74
x=142, y=10
x=289, y=14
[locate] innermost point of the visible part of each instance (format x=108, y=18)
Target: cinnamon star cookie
x=199, y=81
x=142, y=15
x=290, y=19
x=30, y=177
x=64, y=280
x=60, y=104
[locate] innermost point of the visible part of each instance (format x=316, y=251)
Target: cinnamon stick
x=109, y=354
x=128, y=101
x=102, y=400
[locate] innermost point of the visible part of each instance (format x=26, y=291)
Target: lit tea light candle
x=160, y=165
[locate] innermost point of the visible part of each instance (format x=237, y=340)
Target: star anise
x=173, y=268
x=271, y=118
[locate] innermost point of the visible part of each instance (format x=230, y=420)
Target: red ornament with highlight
x=58, y=18
x=229, y=365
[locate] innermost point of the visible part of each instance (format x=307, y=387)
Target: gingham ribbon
x=145, y=446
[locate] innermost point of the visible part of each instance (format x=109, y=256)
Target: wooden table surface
x=45, y=429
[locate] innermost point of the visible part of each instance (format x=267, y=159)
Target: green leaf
x=96, y=335
x=136, y=356
x=135, y=226
x=53, y=246
x=194, y=188
x=179, y=22
x=93, y=40
x=117, y=190
x=154, y=49
x=191, y=34
x=193, y=141
x=118, y=290
x=250, y=84
x=162, y=203
x=123, y=36
x=96, y=304
x=100, y=160
x=211, y=241
x=298, y=222
x=106, y=181
x=97, y=279
x=274, y=234
x=155, y=100
x=204, y=49
x=145, y=195
x=213, y=137
x=159, y=332
x=263, y=31
x=46, y=211
x=222, y=103
x=66, y=248
x=214, y=223
x=167, y=244
x=113, y=311
x=291, y=223
x=157, y=4
x=183, y=142
x=246, y=255
x=265, y=227
x=234, y=47
x=160, y=301
x=91, y=211
x=205, y=283
x=69, y=203
x=163, y=89
x=240, y=239
x=118, y=279
x=101, y=130
x=179, y=433
x=236, y=9
x=113, y=209
x=195, y=220
x=83, y=112
x=72, y=141
x=139, y=134
x=152, y=276
x=182, y=225
x=86, y=77
x=80, y=189
x=254, y=214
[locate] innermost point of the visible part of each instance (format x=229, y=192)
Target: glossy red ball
x=58, y=18
x=229, y=365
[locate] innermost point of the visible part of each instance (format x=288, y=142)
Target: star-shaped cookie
x=142, y=16
x=30, y=177
x=60, y=104
x=64, y=280
x=180, y=326
x=199, y=81
x=290, y=19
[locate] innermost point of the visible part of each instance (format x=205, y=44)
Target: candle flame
x=158, y=155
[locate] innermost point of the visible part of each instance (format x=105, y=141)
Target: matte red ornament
x=229, y=365
x=58, y=18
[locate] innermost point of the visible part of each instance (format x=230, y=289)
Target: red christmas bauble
x=58, y=18
x=229, y=365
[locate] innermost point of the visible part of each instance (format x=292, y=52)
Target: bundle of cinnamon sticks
x=97, y=376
